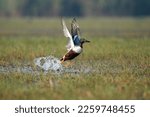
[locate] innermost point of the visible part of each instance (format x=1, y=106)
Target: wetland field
x=115, y=65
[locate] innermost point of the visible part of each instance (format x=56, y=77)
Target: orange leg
x=62, y=61
x=68, y=63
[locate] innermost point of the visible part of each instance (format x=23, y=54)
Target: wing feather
x=75, y=30
x=68, y=35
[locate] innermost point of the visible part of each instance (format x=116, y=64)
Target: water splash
x=46, y=64
x=49, y=63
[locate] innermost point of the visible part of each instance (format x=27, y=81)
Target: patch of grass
x=92, y=86
x=118, y=57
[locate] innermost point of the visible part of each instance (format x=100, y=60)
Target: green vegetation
x=118, y=57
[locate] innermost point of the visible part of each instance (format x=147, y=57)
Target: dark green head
x=82, y=40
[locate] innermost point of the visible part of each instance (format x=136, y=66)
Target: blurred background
x=125, y=18
x=81, y=8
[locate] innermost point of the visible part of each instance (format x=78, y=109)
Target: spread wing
x=68, y=35
x=75, y=30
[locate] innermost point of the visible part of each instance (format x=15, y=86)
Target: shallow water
x=12, y=69
x=52, y=64
x=49, y=64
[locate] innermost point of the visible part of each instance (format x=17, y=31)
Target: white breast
x=77, y=49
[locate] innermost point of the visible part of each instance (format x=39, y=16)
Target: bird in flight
x=75, y=43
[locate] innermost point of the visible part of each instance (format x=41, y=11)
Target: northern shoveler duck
x=75, y=43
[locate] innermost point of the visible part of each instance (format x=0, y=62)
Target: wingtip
x=62, y=21
x=74, y=19
x=62, y=18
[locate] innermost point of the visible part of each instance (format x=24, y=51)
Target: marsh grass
x=115, y=65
